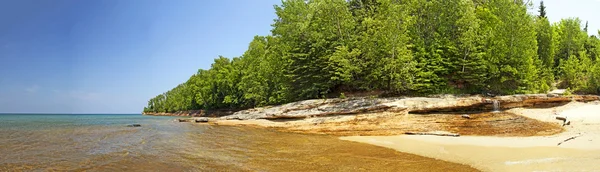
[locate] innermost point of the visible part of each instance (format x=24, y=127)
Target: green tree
x=592, y=47
x=385, y=62
x=570, y=40
x=327, y=47
x=470, y=67
x=546, y=49
x=542, y=10
x=510, y=46
x=314, y=31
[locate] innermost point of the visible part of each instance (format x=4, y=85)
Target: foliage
x=342, y=96
x=321, y=48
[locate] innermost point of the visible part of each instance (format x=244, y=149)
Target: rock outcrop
x=201, y=119
x=317, y=108
x=470, y=115
x=194, y=120
x=541, y=100
x=332, y=107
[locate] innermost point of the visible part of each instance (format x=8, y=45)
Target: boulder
x=558, y=91
x=201, y=119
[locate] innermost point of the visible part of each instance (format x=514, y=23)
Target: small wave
x=530, y=161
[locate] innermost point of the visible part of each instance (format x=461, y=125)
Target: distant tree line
x=321, y=48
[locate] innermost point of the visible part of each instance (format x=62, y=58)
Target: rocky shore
x=393, y=116
x=577, y=148
x=551, y=132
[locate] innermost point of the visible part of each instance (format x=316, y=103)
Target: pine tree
x=323, y=47
x=570, y=40
x=542, y=10
x=511, y=47
x=471, y=71
x=383, y=43
x=546, y=49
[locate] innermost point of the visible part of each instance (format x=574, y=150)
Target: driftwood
x=498, y=120
x=570, y=138
x=565, y=120
x=433, y=134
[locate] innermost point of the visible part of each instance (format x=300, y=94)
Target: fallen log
x=498, y=120
x=570, y=138
x=565, y=120
x=433, y=134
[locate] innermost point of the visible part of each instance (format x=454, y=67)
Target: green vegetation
x=323, y=48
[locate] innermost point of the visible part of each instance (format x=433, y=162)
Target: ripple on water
x=103, y=143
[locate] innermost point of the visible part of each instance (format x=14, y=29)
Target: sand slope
x=539, y=153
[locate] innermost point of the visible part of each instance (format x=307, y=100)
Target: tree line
x=323, y=48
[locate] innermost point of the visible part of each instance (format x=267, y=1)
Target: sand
x=537, y=153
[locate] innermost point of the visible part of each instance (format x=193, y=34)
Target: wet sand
x=536, y=153
x=274, y=151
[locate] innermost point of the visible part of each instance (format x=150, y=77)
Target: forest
x=326, y=48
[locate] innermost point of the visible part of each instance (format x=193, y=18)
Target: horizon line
x=54, y=113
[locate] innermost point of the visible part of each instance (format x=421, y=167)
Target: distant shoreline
x=21, y=113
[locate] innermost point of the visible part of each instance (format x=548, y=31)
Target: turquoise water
x=86, y=142
x=49, y=121
x=30, y=142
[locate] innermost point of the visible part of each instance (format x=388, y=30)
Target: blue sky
x=111, y=56
x=586, y=10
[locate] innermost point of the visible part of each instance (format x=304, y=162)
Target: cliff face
x=329, y=107
x=392, y=116
x=332, y=107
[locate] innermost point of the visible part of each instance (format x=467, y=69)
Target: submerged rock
x=184, y=120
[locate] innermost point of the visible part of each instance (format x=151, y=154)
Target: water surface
x=31, y=142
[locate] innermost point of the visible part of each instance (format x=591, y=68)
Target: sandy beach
x=580, y=151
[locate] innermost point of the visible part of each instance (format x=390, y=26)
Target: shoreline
x=441, y=103
x=536, y=153
x=525, y=136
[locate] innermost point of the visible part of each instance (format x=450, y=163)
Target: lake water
x=33, y=142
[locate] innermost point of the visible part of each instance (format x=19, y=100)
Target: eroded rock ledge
x=331, y=107
x=394, y=116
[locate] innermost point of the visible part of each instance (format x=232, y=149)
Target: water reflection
x=104, y=144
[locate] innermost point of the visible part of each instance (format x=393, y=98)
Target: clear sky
x=111, y=56
x=586, y=10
